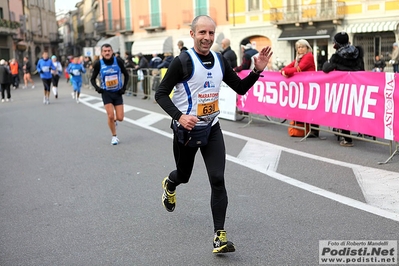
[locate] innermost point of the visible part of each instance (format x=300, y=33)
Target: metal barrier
x=393, y=145
x=396, y=151
x=145, y=84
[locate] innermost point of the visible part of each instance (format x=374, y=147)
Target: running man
x=197, y=74
x=44, y=67
x=112, y=88
x=75, y=70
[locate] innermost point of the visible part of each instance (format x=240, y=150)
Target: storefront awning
x=309, y=34
x=148, y=46
x=113, y=41
x=372, y=27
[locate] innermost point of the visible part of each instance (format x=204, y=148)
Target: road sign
x=88, y=51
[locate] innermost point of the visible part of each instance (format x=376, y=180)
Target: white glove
x=391, y=62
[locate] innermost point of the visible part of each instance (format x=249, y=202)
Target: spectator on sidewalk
x=229, y=54
x=27, y=69
x=379, y=64
x=131, y=88
x=168, y=58
x=395, y=57
x=247, y=61
x=155, y=60
x=346, y=58
x=304, y=61
x=14, y=67
x=87, y=64
x=154, y=63
x=5, y=81
x=142, y=72
x=180, y=45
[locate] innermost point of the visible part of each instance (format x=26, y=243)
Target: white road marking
x=380, y=187
x=97, y=104
x=150, y=119
x=321, y=192
x=89, y=97
x=268, y=158
x=127, y=108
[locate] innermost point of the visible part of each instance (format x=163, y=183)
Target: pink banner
x=363, y=102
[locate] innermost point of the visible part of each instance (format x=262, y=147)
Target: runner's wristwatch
x=257, y=71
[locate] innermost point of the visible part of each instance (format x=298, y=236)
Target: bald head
x=225, y=43
x=199, y=19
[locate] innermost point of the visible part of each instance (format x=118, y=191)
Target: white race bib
x=76, y=72
x=111, y=81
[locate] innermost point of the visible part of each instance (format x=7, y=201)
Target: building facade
x=374, y=26
x=41, y=28
x=10, y=28
x=149, y=26
x=18, y=44
x=283, y=22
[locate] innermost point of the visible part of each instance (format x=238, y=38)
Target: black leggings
x=55, y=80
x=5, y=88
x=214, y=154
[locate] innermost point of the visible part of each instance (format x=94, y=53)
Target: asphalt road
x=68, y=197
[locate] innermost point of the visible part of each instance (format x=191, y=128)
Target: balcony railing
x=304, y=13
x=112, y=26
x=126, y=26
x=9, y=27
x=189, y=15
x=154, y=21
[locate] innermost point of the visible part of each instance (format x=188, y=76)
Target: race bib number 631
x=208, y=108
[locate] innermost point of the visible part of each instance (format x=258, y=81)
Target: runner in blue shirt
x=111, y=87
x=44, y=67
x=75, y=70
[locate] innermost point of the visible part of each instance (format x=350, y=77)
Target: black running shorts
x=47, y=84
x=112, y=97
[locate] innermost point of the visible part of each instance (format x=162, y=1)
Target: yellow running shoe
x=168, y=198
x=220, y=243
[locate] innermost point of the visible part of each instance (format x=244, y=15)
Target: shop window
x=253, y=5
